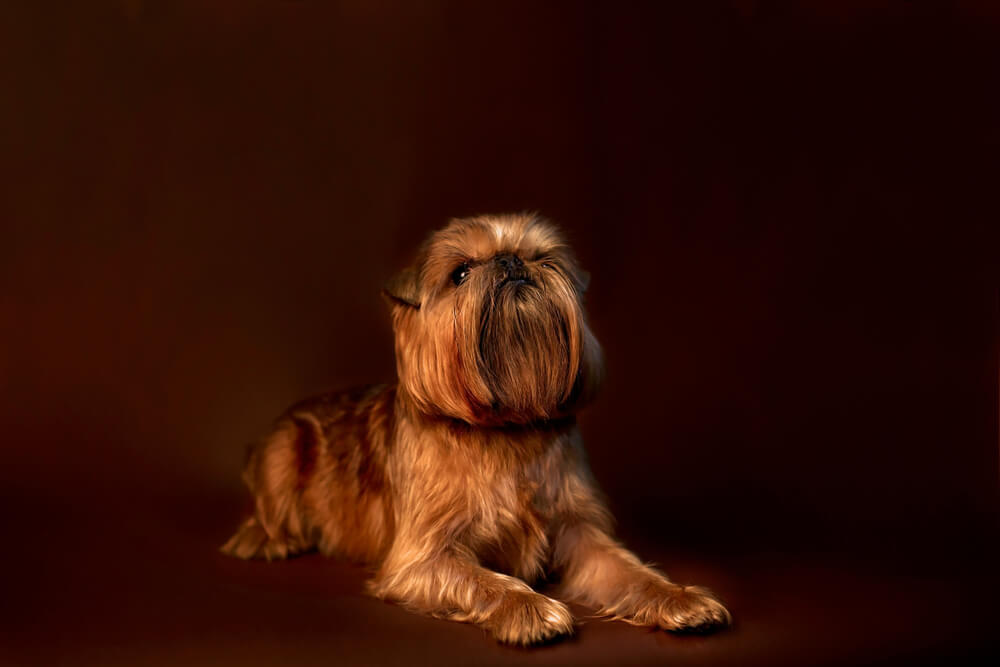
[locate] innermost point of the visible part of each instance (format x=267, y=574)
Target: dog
x=466, y=481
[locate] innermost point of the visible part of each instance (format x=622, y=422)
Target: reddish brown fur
x=467, y=482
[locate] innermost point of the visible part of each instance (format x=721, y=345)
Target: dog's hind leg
x=272, y=473
x=251, y=541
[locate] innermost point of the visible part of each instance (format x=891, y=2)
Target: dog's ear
x=404, y=288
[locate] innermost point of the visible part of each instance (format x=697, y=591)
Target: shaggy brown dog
x=466, y=481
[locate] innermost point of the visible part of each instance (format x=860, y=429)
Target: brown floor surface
x=134, y=578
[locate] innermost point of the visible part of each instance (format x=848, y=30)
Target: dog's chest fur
x=499, y=491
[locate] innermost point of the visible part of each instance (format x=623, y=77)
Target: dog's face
x=489, y=323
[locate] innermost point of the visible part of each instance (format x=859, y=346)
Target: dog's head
x=490, y=326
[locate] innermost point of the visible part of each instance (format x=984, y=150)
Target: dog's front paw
x=688, y=609
x=524, y=617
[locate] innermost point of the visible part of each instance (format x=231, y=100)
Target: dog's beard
x=528, y=349
x=498, y=352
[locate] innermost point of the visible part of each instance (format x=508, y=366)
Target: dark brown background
x=788, y=210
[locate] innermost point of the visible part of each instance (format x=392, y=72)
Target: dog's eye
x=460, y=274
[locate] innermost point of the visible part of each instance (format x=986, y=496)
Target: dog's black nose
x=509, y=262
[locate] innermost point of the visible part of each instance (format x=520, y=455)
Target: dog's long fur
x=466, y=482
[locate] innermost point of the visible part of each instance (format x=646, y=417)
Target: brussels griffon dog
x=466, y=481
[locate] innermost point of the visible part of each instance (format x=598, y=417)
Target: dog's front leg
x=599, y=572
x=450, y=583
